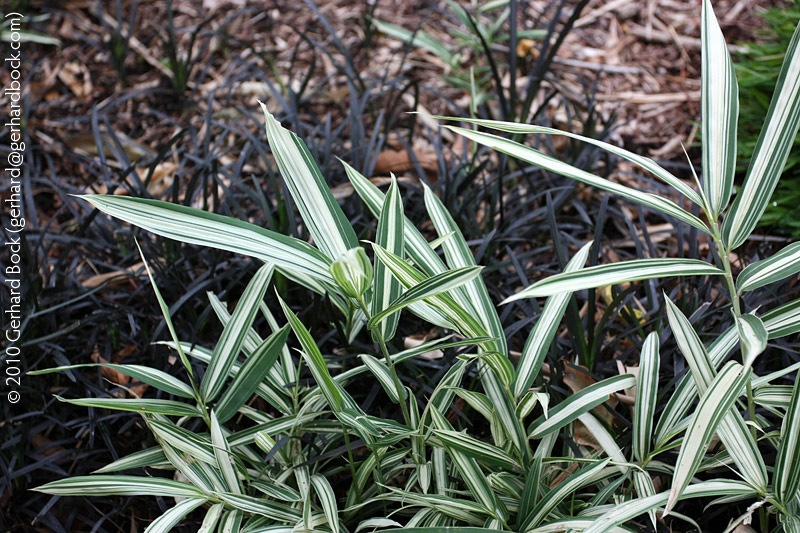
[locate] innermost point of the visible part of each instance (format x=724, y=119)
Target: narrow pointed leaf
x=120, y=485
x=137, y=405
x=233, y=336
x=541, y=337
x=390, y=236
x=483, y=452
x=772, y=149
x=193, y=226
x=786, y=481
x=173, y=516
x=777, y=267
x=222, y=453
x=646, y=397
x=141, y=459
x=552, y=164
x=614, y=273
x=328, y=500
x=714, y=406
x=323, y=217
x=250, y=375
x=211, y=519
x=383, y=375
x=644, y=162
x=720, y=112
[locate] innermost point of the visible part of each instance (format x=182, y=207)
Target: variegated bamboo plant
x=421, y=473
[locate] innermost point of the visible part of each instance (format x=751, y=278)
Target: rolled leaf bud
x=353, y=272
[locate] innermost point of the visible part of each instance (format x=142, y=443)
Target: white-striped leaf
x=233, y=335
x=605, y=439
x=541, y=337
x=720, y=112
x=173, y=516
x=458, y=255
x=232, y=522
x=644, y=489
x=772, y=149
x=328, y=500
x=614, y=273
x=272, y=510
x=149, y=457
x=629, y=510
x=644, y=162
x=222, y=453
x=145, y=374
x=781, y=265
x=295, y=258
x=561, y=492
x=390, y=236
x=581, y=402
x=120, y=485
x=646, y=397
x=323, y=217
x=786, y=481
x=552, y=164
x=137, y=405
x=251, y=373
x=753, y=335
x=383, y=375
x=438, y=284
x=783, y=321
x=483, y=452
x=196, y=446
x=714, y=405
x=211, y=519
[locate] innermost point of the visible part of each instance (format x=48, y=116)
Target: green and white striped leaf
x=720, y=113
x=295, y=258
x=173, y=516
x=570, y=409
x=615, y=273
x=250, y=375
x=644, y=489
x=534, y=157
x=120, y=485
x=786, y=480
x=783, y=321
x=234, y=334
x=272, y=510
x=327, y=224
x=605, y=439
x=644, y=162
x=561, y=492
x=438, y=284
x=328, y=500
x=145, y=458
x=196, y=446
x=390, y=236
x=646, y=397
x=145, y=374
x=753, y=335
x=459, y=255
x=781, y=265
x=137, y=405
x=714, y=405
x=443, y=529
x=772, y=149
x=629, y=510
x=222, y=453
x=483, y=452
x=232, y=522
x=211, y=519
x=541, y=337
x=383, y=375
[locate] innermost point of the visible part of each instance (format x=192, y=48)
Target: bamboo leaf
x=222, y=453
x=483, y=452
x=250, y=375
x=786, y=480
x=720, y=112
x=779, y=266
x=552, y=164
x=328, y=500
x=234, y=334
x=541, y=337
x=120, y=485
x=390, y=236
x=753, y=335
x=614, y=273
x=644, y=162
x=714, y=405
x=295, y=258
x=323, y=217
x=772, y=149
x=137, y=405
x=646, y=397
x=383, y=375
x=173, y=516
